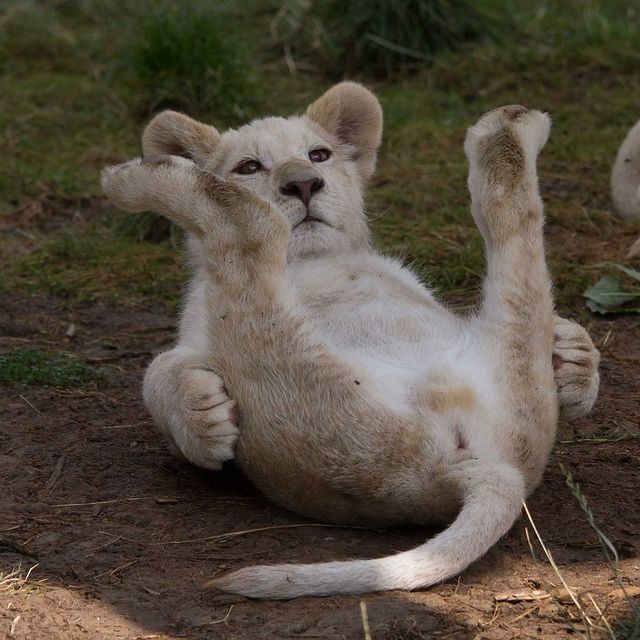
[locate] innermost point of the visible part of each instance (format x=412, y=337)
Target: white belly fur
x=381, y=320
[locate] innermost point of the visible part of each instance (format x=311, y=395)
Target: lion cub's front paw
x=163, y=158
x=190, y=405
x=137, y=185
x=575, y=360
x=206, y=428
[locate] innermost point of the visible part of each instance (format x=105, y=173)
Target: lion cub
x=361, y=399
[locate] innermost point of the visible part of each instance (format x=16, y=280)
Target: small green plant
x=186, y=60
x=610, y=295
x=628, y=629
x=44, y=368
x=381, y=37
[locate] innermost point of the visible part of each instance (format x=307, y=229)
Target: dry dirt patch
x=123, y=534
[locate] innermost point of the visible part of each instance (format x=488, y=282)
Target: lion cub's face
x=312, y=168
x=306, y=173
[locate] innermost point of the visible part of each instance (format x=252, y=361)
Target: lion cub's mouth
x=308, y=222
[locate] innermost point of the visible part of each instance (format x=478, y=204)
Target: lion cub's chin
x=314, y=239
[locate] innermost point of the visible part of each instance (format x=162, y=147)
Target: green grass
x=187, y=60
x=380, y=37
x=97, y=266
x=79, y=101
x=45, y=368
x=80, y=80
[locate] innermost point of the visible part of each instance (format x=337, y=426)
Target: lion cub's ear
x=173, y=133
x=352, y=114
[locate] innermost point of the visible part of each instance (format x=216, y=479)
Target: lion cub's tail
x=493, y=494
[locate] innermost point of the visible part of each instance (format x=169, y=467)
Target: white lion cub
x=360, y=398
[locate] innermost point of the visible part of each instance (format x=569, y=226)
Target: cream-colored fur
x=361, y=398
x=625, y=176
x=625, y=182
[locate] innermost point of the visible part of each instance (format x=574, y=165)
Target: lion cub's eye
x=247, y=167
x=319, y=155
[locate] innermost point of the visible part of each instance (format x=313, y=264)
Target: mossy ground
x=33, y=367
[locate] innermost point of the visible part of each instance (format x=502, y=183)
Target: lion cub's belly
x=378, y=318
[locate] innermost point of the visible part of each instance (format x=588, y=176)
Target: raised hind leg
x=517, y=307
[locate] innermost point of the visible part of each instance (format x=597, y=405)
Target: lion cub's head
x=312, y=167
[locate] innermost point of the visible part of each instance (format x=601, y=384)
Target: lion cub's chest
x=381, y=321
x=366, y=303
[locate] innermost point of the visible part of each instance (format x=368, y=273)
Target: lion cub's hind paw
x=500, y=128
x=502, y=149
x=575, y=363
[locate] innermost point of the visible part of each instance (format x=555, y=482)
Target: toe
x=225, y=412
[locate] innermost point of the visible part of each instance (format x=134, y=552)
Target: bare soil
x=122, y=534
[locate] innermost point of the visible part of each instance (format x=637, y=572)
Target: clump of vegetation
x=628, y=629
x=44, y=368
x=16, y=581
x=189, y=61
x=97, y=266
x=611, y=295
x=380, y=37
x=31, y=32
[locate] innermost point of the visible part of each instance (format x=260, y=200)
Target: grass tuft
x=30, y=32
x=378, y=37
x=16, y=581
x=186, y=60
x=98, y=265
x=627, y=629
x=44, y=368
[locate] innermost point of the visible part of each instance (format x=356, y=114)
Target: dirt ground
x=120, y=535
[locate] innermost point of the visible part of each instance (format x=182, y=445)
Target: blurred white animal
x=625, y=182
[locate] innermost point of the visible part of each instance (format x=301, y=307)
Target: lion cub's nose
x=302, y=189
